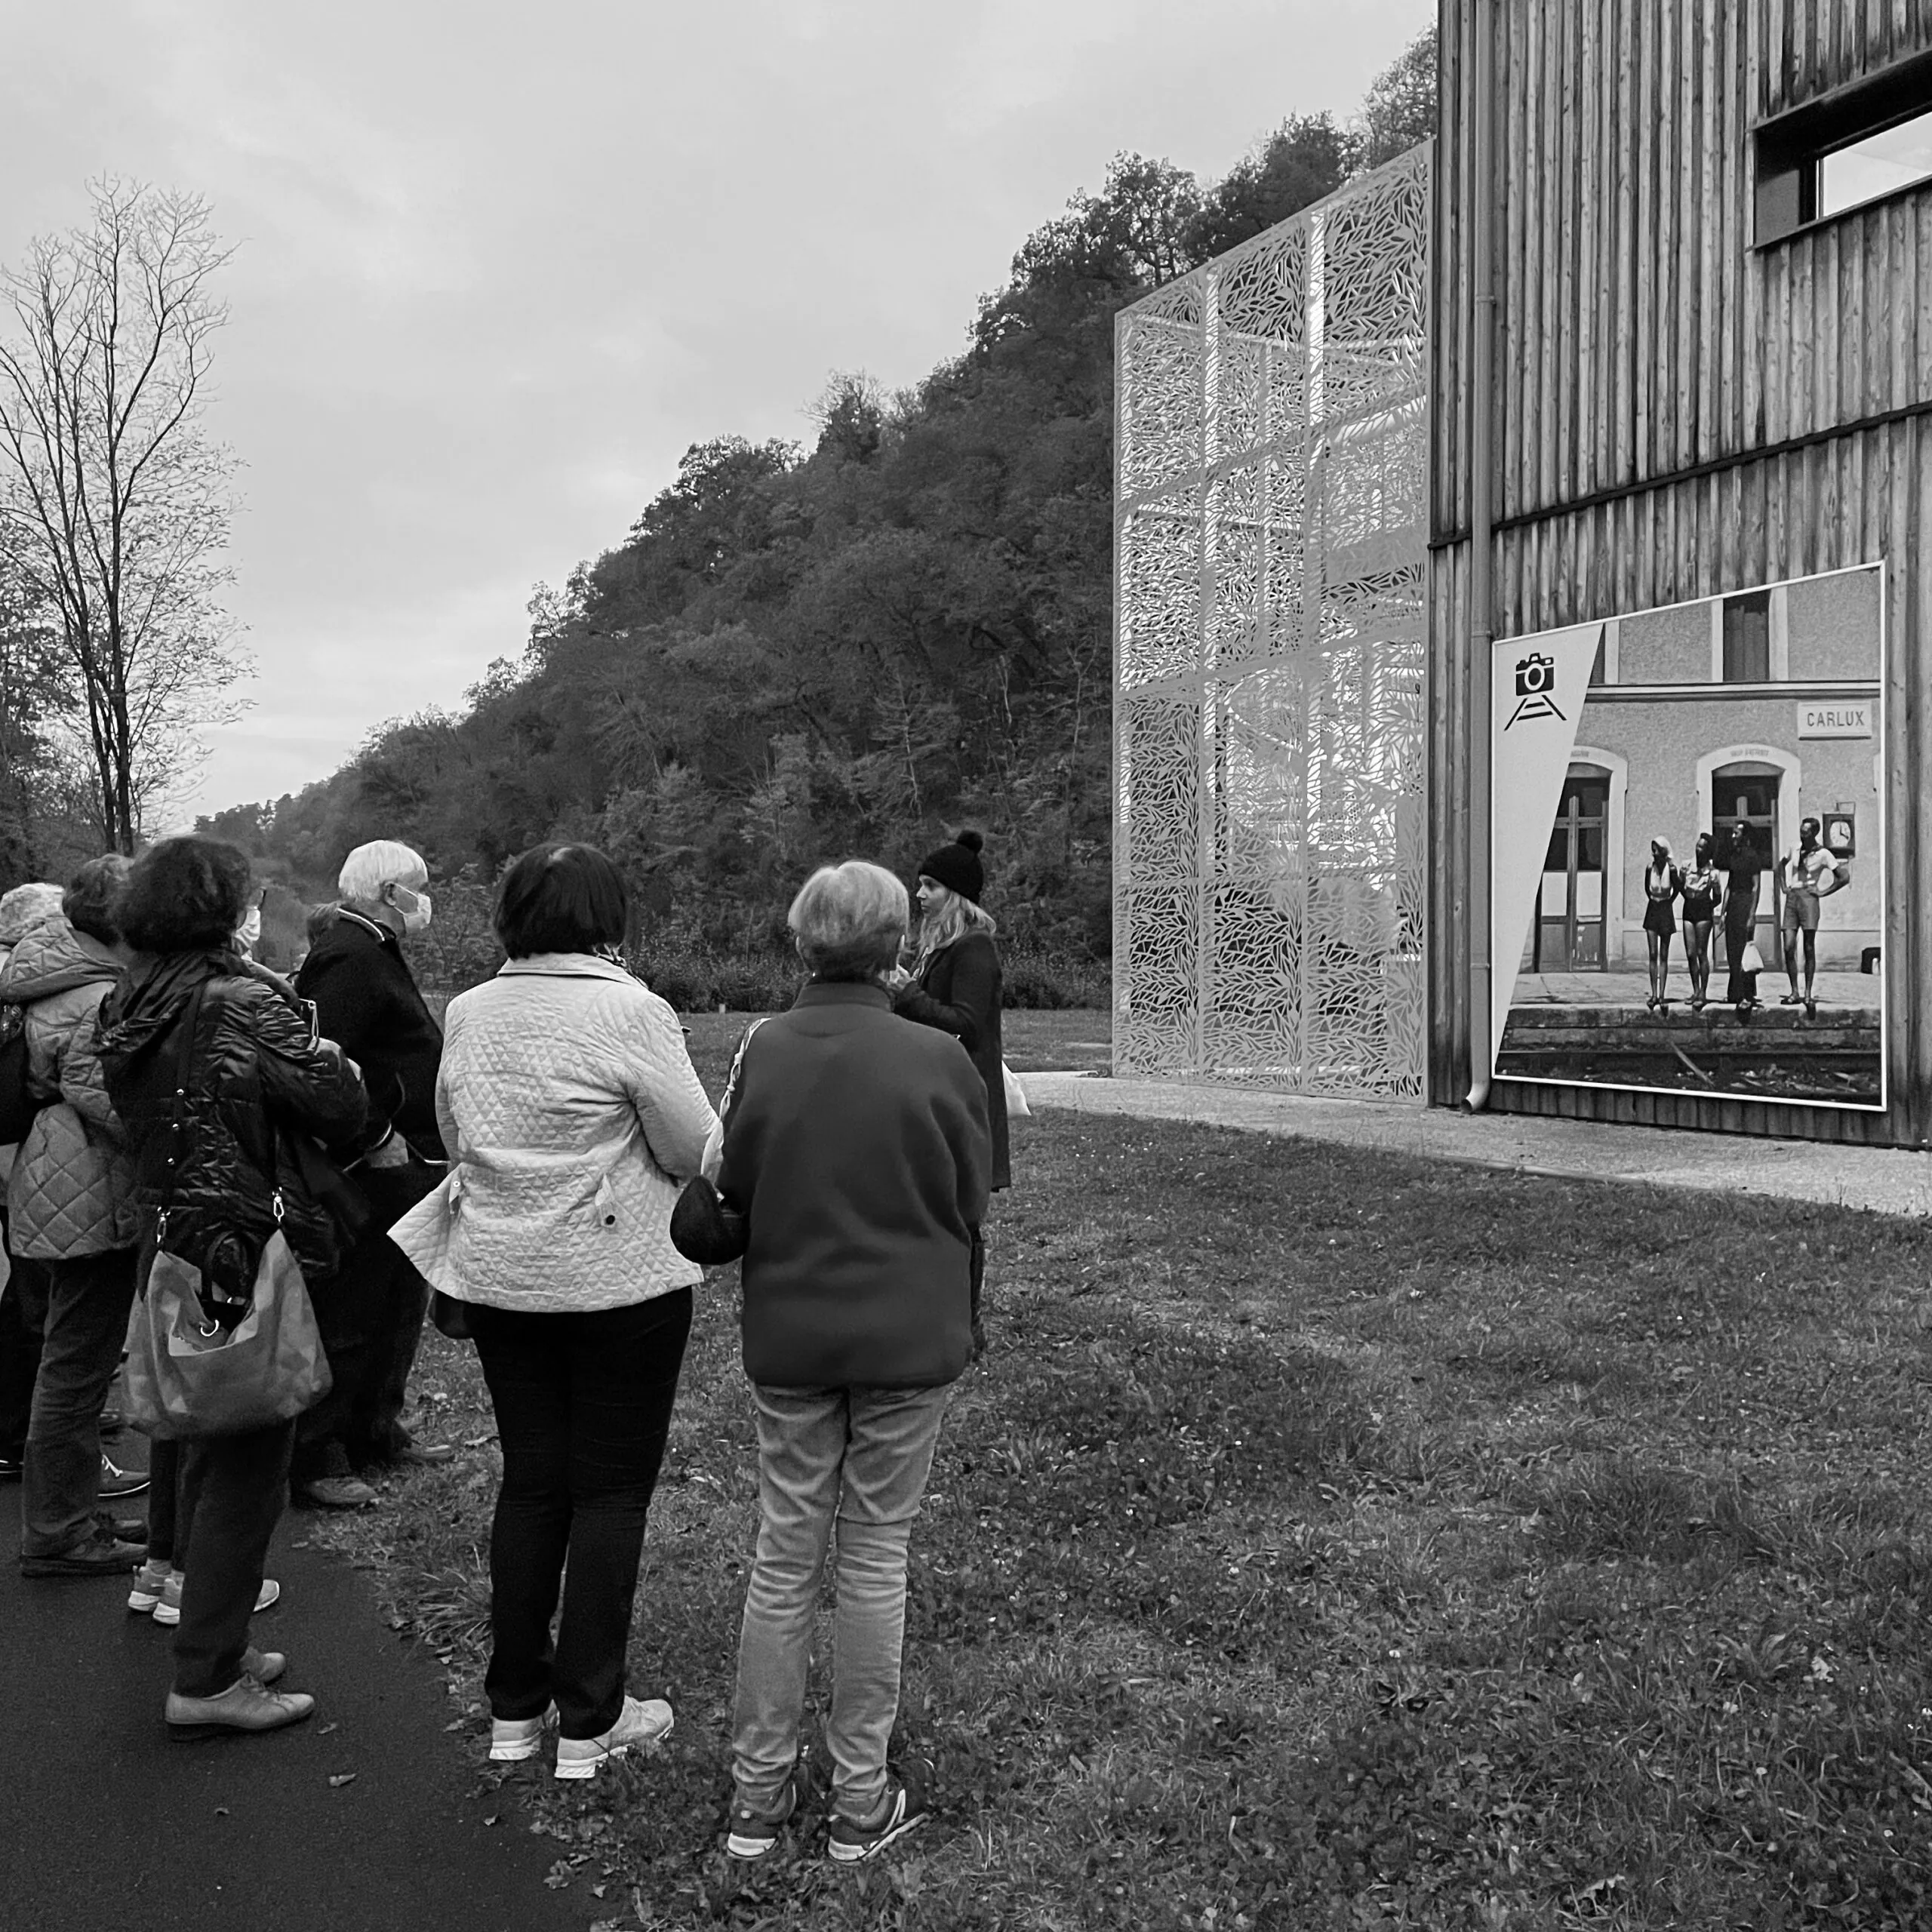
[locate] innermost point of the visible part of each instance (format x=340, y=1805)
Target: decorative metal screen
x=1271, y=463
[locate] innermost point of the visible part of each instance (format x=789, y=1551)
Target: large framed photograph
x=1688, y=847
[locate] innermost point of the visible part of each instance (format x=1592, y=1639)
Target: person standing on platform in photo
x=1662, y=883
x=1703, y=888
x=1743, y=871
x=1807, y=874
x=954, y=983
x=366, y=1002
x=25, y=905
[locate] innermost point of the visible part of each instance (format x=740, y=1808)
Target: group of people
x=1726, y=886
x=521, y=1160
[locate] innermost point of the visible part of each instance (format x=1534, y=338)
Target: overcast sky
x=499, y=265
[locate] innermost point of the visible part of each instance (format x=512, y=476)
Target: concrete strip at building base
x=1887, y=1180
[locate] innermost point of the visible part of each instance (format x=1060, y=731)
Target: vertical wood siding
x=1640, y=335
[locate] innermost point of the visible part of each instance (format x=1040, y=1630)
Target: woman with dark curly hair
x=212, y=1066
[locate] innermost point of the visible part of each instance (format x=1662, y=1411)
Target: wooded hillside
x=798, y=654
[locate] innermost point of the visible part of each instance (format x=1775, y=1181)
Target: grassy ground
x=1330, y=1540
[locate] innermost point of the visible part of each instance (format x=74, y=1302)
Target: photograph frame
x=1700, y=694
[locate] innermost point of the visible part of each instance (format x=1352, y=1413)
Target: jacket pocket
x=605, y=1203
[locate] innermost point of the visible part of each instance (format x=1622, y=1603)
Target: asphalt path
x=106, y=1822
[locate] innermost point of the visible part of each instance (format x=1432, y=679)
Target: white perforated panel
x=1271, y=456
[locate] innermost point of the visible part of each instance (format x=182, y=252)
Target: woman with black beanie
x=955, y=984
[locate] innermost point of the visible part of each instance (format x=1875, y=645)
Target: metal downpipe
x=1482, y=381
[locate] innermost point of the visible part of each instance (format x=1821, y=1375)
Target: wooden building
x=1675, y=357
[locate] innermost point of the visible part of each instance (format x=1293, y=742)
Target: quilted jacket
x=573, y=1116
x=72, y=1191
x=254, y=1078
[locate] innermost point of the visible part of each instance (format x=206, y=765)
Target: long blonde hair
x=937, y=931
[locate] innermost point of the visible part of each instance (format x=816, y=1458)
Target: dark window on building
x=1856, y=145
x=1747, y=638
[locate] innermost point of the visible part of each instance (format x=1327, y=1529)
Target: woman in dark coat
x=212, y=1067
x=955, y=985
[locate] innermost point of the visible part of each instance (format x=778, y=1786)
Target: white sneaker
x=167, y=1608
x=150, y=1582
x=642, y=1725
x=513, y=1740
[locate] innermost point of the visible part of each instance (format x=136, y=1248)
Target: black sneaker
x=750, y=1834
x=116, y=1482
x=98, y=1556
x=853, y=1844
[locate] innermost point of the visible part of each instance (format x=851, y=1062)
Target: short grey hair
x=380, y=863
x=26, y=905
x=849, y=921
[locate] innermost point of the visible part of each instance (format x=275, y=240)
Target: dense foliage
x=798, y=654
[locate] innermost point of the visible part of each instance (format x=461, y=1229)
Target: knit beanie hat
x=957, y=865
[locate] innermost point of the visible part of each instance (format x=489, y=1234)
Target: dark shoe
x=116, y=1482
x=124, y=1529
x=98, y=1556
x=750, y=1834
x=336, y=1493
x=852, y=1844
x=112, y=1422
x=246, y=1705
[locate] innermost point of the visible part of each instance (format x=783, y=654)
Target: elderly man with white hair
x=370, y=1314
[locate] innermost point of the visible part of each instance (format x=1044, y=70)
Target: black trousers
x=22, y=1312
x=369, y=1313
x=234, y=1488
x=583, y=1408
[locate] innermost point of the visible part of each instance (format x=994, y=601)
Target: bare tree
x=114, y=502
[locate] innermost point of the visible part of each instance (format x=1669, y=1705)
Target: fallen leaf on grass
x=456, y=1723
x=338, y=1779
x=326, y=1729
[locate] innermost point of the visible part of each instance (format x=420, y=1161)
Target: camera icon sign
x=1535, y=674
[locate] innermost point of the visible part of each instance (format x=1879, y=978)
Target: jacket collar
x=381, y=933
x=567, y=966
x=844, y=993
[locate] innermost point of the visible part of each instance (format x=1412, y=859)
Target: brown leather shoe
x=336, y=1493
x=246, y=1705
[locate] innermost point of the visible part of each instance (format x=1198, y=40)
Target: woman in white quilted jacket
x=573, y=1116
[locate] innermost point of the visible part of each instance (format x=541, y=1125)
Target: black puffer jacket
x=253, y=1080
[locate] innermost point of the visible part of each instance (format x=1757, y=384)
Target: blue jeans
x=584, y=1410
x=84, y=1325
x=862, y=1457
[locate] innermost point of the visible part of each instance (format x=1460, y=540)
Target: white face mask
x=415, y=914
x=250, y=930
